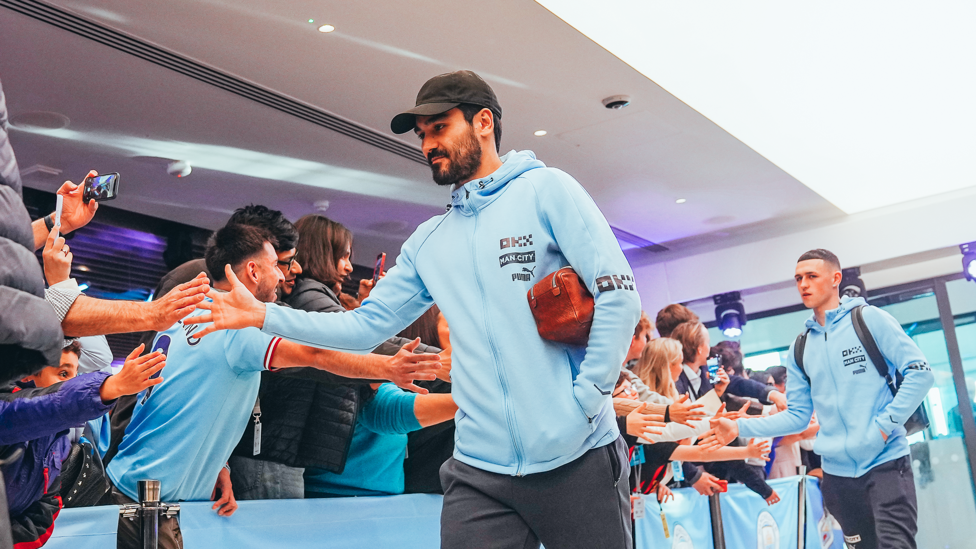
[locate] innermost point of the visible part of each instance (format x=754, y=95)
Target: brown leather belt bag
x=562, y=307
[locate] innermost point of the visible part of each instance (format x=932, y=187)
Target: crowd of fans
x=244, y=415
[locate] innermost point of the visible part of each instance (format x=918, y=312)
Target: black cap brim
x=407, y=120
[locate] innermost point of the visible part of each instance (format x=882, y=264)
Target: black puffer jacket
x=308, y=423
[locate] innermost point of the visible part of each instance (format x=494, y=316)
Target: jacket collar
x=835, y=315
x=476, y=194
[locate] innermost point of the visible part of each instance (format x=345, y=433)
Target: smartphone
x=57, y=210
x=713, y=364
x=380, y=264
x=101, y=187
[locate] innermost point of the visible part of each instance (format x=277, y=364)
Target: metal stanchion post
x=149, y=498
x=149, y=510
x=801, y=537
x=718, y=530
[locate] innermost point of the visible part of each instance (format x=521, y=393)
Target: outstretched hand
x=136, y=374
x=723, y=431
x=179, y=302
x=406, y=367
x=758, y=450
x=231, y=310
x=640, y=424
x=684, y=412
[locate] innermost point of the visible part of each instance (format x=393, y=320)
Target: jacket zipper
x=499, y=371
x=837, y=405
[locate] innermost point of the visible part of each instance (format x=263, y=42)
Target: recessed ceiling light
x=311, y=20
x=540, y=133
x=83, y=268
x=326, y=28
x=680, y=201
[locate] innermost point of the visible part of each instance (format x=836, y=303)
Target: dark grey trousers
x=877, y=510
x=584, y=504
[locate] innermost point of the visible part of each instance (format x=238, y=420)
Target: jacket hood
x=834, y=316
x=478, y=193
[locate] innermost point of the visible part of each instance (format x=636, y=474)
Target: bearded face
x=456, y=161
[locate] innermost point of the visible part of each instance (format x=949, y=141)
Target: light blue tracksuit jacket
x=852, y=401
x=526, y=405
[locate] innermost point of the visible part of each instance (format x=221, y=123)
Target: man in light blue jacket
x=868, y=483
x=538, y=456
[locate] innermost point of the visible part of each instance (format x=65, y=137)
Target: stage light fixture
x=851, y=284
x=730, y=315
x=969, y=260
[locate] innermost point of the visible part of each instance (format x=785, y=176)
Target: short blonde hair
x=654, y=366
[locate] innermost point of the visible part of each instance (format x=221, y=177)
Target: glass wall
x=947, y=511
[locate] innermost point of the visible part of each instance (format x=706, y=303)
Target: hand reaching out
x=231, y=310
x=664, y=493
x=684, y=412
x=758, y=450
x=136, y=374
x=723, y=431
x=227, y=504
x=405, y=367
x=778, y=399
x=773, y=498
x=57, y=258
x=444, y=374
x=643, y=425
x=179, y=302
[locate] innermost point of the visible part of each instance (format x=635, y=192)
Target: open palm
x=231, y=310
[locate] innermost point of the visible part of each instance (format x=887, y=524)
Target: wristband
x=667, y=413
x=49, y=222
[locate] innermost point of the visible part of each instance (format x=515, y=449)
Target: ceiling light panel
x=867, y=103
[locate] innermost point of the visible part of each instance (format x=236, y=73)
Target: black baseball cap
x=444, y=92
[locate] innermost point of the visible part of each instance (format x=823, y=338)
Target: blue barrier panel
x=397, y=521
x=750, y=523
x=689, y=525
x=414, y=521
x=85, y=528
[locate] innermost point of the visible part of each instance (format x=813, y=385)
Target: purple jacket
x=38, y=420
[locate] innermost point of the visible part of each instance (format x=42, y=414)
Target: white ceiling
x=635, y=162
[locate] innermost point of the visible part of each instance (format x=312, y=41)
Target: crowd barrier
x=413, y=521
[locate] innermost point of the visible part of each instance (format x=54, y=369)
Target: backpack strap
x=798, y=347
x=871, y=347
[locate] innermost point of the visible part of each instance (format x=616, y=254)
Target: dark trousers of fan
x=877, y=510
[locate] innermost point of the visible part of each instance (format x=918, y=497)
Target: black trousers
x=877, y=510
x=584, y=504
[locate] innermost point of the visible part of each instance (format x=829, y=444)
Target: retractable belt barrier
x=413, y=521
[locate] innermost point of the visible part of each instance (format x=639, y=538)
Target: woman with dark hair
x=324, y=250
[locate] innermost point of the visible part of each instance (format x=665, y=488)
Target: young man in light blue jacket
x=868, y=483
x=538, y=456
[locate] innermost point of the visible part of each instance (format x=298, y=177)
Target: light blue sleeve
x=390, y=411
x=585, y=239
x=96, y=355
x=399, y=299
x=798, y=412
x=249, y=350
x=902, y=354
